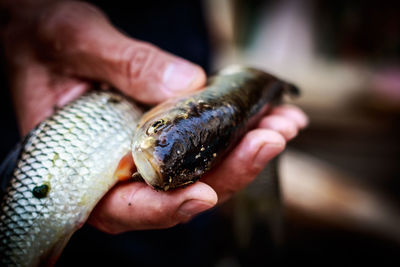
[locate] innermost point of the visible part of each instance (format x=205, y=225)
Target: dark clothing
x=176, y=26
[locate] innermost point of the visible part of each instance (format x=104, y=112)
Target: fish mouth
x=146, y=168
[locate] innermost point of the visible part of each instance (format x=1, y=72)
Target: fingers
x=255, y=150
x=286, y=127
x=244, y=163
x=81, y=38
x=286, y=120
x=292, y=113
x=136, y=206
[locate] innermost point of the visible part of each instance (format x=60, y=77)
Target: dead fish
x=58, y=174
x=179, y=140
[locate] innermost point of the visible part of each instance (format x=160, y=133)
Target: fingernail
x=267, y=152
x=179, y=75
x=193, y=207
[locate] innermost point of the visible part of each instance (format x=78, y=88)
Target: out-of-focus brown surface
x=341, y=178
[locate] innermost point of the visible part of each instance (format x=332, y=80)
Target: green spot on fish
x=41, y=191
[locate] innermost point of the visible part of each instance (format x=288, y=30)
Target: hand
x=133, y=206
x=54, y=50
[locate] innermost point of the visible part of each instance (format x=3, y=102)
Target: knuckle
x=248, y=173
x=64, y=23
x=294, y=113
x=61, y=14
x=268, y=135
x=162, y=216
x=54, y=19
x=286, y=127
x=156, y=214
x=268, y=121
x=253, y=171
x=138, y=59
x=241, y=177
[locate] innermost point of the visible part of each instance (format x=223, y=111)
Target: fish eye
x=157, y=123
x=156, y=126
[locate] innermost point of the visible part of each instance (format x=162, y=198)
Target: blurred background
x=340, y=179
x=337, y=199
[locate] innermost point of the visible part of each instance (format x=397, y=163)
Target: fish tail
x=292, y=90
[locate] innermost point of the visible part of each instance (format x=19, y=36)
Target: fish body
x=179, y=140
x=65, y=165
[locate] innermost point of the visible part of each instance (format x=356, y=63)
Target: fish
x=181, y=139
x=54, y=178
x=62, y=168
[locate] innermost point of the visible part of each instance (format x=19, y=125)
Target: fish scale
x=74, y=153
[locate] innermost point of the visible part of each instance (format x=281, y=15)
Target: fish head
x=166, y=147
x=150, y=145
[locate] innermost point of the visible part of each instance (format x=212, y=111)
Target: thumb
x=151, y=75
x=136, y=206
x=83, y=43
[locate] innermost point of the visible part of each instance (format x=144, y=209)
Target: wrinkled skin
x=55, y=50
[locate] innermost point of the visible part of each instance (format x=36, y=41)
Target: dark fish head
x=168, y=145
x=152, y=147
x=179, y=140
